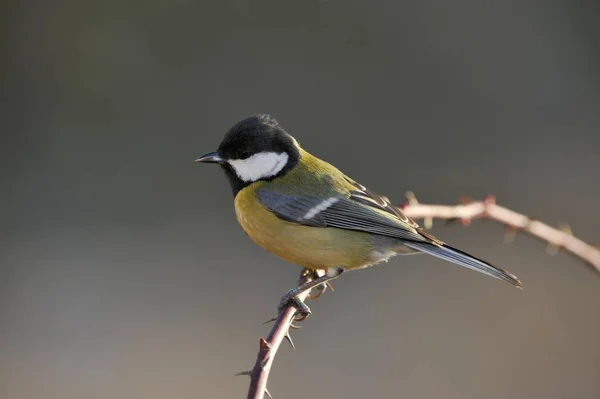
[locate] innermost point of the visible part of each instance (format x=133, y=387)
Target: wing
x=363, y=210
x=360, y=209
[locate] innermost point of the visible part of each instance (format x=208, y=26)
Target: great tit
x=309, y=213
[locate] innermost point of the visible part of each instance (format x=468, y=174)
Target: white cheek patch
x=259, y=166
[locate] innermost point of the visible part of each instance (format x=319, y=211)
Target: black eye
x=243, y=154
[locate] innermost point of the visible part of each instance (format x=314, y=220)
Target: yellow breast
x=312, y=247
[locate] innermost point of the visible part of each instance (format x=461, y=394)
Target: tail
x=461, y=258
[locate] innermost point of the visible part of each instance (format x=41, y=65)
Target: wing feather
x=360, y=209
x=363, y=210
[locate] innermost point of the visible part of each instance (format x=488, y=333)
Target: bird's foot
x=291, y=298
x=319, y=282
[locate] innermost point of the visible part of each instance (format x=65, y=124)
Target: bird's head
x=255, y=148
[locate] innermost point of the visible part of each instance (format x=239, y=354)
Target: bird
x=309, y=213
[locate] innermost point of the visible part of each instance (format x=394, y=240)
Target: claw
x=302, y=310
x=291, y=298
x=315, y=296
x=295, y=327
x=320, y=290
x=292, y=295
x=299, y=317
x=301, y=307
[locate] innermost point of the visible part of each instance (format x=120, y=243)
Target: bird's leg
x=292, y=295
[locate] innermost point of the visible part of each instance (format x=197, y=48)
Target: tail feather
x=461, y=258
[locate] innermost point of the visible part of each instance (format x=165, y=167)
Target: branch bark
x=557, y=238
x=268, y=347
x=468, y=210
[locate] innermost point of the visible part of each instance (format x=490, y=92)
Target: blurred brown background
x=124, y=274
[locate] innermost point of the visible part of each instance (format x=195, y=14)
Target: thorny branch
x=268, y=347
x=557, y=238
x=465, y=212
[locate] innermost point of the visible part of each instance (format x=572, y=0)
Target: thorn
x=528, y=224
x=412, y=198
x=246, y=372
x=264, y=345
x=428, y=223
x=465, y=221
x=465, y=200
x=268, y=393
x=509, y=234
x=489, y=200
x=450, y=221
x=270, y=320
x=289, y=339
x=565, y=228
x=552, y=249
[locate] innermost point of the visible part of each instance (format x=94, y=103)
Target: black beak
x=211, y=157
